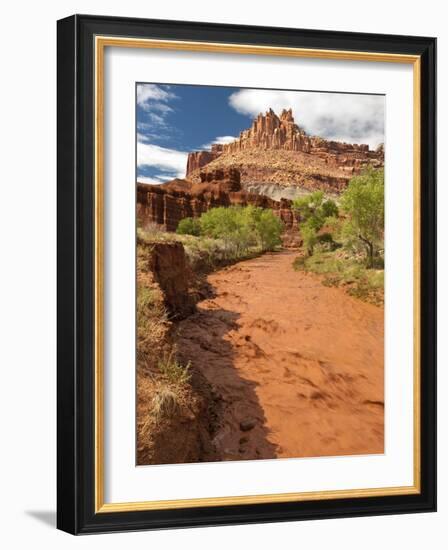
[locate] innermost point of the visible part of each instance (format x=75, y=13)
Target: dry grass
x=165, y=403
x=158, y=401
x=167, y=416
x=153, y=326
x=153, y=233
x=163, y=389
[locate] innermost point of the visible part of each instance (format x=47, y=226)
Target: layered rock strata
x=276, y=150
x=165, y=205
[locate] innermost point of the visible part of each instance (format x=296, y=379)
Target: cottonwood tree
x=363, y=202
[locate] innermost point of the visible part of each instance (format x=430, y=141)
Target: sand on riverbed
x=299, y=366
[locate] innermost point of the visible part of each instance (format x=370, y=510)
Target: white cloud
x=220, y=139
x=154, y=180
x=147, y=132
x=142, y=138
x=171, y=163
x=147, y=93
x=353, y=118
x=162, y=107
x=157, y=120
x=154, y=100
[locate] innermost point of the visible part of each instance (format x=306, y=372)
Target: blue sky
x=173, y=120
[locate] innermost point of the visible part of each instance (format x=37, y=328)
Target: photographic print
x=231, y=202
x=260, y=274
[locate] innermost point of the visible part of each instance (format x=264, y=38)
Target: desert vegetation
x=314, y=210
x=220, y=236
x=345, y=242
x=163, y=382
x=241, y=230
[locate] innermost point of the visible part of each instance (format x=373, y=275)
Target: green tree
x=230, y=225
x=313, y=211
x=269, y=228
x=242, y=228
x=363, y=202
x=219, y=222
x=309, y=235
x=189, y=226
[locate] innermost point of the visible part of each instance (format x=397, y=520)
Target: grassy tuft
x=172, y=370
x=342, y=270
x=165, y=402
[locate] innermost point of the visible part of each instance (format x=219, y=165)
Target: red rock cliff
x=271, y=132
x=167, y=204
x=198, y=159
x=276, y=150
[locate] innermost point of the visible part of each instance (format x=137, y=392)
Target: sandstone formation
x=198, y=159
x=271, y=132
x=275, y=150
x=169, y=268
x=167, y=204
x=268, y=165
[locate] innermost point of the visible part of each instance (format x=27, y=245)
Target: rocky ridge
x=275, y=150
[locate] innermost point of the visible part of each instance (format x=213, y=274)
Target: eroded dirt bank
x=298, y=366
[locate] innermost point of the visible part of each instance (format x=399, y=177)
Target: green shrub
x=309, y=234
x=325, y=241
x=269, y=228
x=189, y=226
x=242, y=228
x=313, y=210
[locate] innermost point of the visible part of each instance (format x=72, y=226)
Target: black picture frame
x=76, y=271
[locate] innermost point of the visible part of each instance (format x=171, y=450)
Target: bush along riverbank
x=344, y=242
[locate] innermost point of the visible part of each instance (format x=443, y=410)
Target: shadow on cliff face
x=207, y=340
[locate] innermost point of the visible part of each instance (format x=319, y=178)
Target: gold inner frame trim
x=101, y=42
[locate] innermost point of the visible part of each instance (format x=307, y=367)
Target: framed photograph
x=246, y=274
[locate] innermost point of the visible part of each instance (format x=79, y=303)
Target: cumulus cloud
x=170, y=162
x=353, y=118
x=220, y=139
